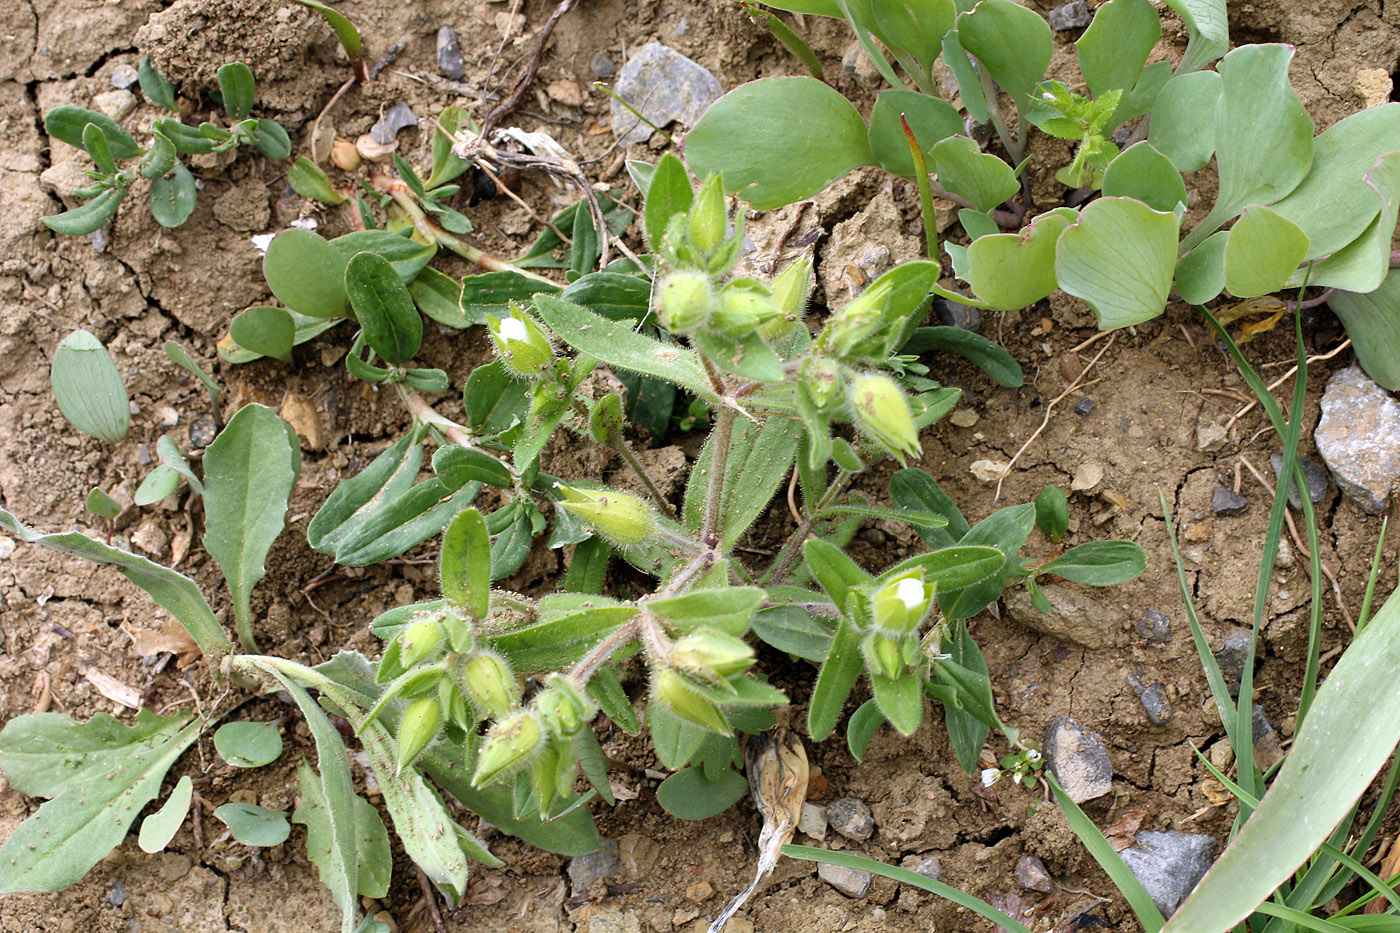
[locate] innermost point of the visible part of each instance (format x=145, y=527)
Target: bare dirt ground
x=1154, y=387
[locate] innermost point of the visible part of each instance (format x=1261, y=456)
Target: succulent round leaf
x=88, y=388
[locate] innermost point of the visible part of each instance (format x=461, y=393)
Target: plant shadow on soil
x=1152, y=390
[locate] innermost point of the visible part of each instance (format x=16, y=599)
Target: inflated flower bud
x=821, y=381
x=418, y=727
x=707, y=222
x=901, y=603
x=883, y=655
x=487, y=680
x=510, y=745
x=552, y=774
x=419, y=641
x=618, y=516
x=685, y=302
x=858, y=330
x=672, y=690
x=790, y=296
x=882, y=414
x=564, y=708
x=741, y=311
x=522, y=345
x=710, y=652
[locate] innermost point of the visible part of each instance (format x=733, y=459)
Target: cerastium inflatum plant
x=448, y=708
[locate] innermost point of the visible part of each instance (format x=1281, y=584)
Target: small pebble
x=398, y=117
x=666, y=87
x=1078, y=758
x=7, y=547
x=203, y=430
x=117, y=896
x=699, y=892
x=1169, y=865
x=1031, y=875
x=952, y=314
x=1069, y=16
x=850, y=817
x=116, y=104
x=1230, y=657
x=586, y=870
x=1211, y=437
x=1225, y=501
x=1267, y=749
x=602, y=66
x=929, y=866
x=1154, y=627
x=1084, y=405
x=1154, y=700
x=449, y=54
x=124, y=76
x=1358, y=436
x=851, y=882
x=1313, y=474
x=813, y=821
x=964, y=418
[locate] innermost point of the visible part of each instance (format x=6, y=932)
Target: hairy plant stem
x=629, y=456
x=792, y=550
x=403, y=197
x=454, y=432
x=719, y=458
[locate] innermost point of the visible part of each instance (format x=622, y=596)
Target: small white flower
x=1033, y=755
x=1016, y=777
x=910, y=592
x=989, y=776
x=262, y=241
x=514, y=329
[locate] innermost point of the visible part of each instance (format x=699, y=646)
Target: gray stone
x=449, y=54
x=665, y=87
x=587, y=870
x=116, y=104
x=1211, y=437
x=203, y=430
x=612, y=920
x=1154, y=700
x=813, y=821
x=1230, y=656
x=1083, y=406
x=1031, y=875
x=602, y=66
x=124, y=76
x=850, y=817
x=1070, y=16
x=1225, y=501
x=1267, y=749
x=851, y=882
x=928, y=865
x=1078, y=758
x=1154, y=627
x=1313, y=474
x=1358, y=437
x=398, y=117
x=1169, y=864
x=1078, y=617
x=953, y=314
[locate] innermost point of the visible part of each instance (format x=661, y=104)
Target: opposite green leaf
x=931, y=119
x=266, y=331
x=384, y=308
x=466, y=563
x=67, y=123
x=1142, y=172
x=779, y=140
x=307, y=274
x=1262, y=251
x=1013, y=42
x=98, y=776
x=1114, y=48
x=1011, y=271
x=249, y=472
x=160, y=827
x=689, y=795
x=88, y=388
x=1207, y=29
x=1183, y=119
x=1200, y=274
x=964, y=169
x=1119, y=257
x=172, y=197
x=253, y=825
x=668, y=194
x=248, y=744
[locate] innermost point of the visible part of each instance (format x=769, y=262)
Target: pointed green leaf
x=964, y=169
x=1119, y=257
x=158, y=484
x=88, y=388
x=861, y=728
x=154, y=85
x=492, y=293
x=964, y=565
x=675, y=740
x=172, y=197
x=557, y=642
x=66, y=124
x=266, y=331
x=778, y=140
x=160, y=827
x=746, y=356
x=1005, y=530
x=439, y=296
x=408, y=257
x=960, y=64
x=384, y=308
x=1114, y=48
x=88, y=217
x=1373, y=324
x=345, y=30
x=729, y=609
x=617, y=344
x=103, y=505
x=97, y=775
x=253, y=825
x=372, y=850
x=248, y=744
x=307, y=274
x=310, y=181
x=466, y=563
x=760, y=458
x=668, y=194
x=1013, y=42
x=796, y=631
x=1099, y=563
x=916, y=26
x=1142, y=172
x=1262, y=251
x=966, y=732
x=249, y=472
x=237, y=86
x=1200, y=274
x=1183, y=119
x=456, y=466
x=1011, y=271
x=901, y=701
x=171, y=590
x=1207, y=30
x=838, y=675
x=1363, y=264
x=931, y=119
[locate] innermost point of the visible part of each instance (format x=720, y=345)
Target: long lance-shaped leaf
x=1345, y=741
x=249, y=472
x=98, y=776
x=172, y=590
x=838, y=675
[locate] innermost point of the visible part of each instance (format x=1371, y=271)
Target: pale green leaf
x=729, y=609
x=97, y=775
x=248, y=744
x=1141, y=172
x=1183, y=119
x=307, y=274
x=964, y=169
x=778, y=140
x=916, y=26
x=465, y=565
x=1262, y=251
x=834, y=682
x=1200, y=274
x=1363, y=264
x=1010, y=271
x=1373, y=323
x=1119, y=257
x=88, y=388
x=160, y=827
x=1013, y=42
x=1207, y=31
x=931, y=119
x=668, y=193
x=1114, y=48
x=253, y=825
x=372, y=852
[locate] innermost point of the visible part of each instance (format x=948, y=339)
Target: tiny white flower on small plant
x=512, y=328
x=1033, y=755
x=1016, y=777
x=911, y=592
x=989, y=776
